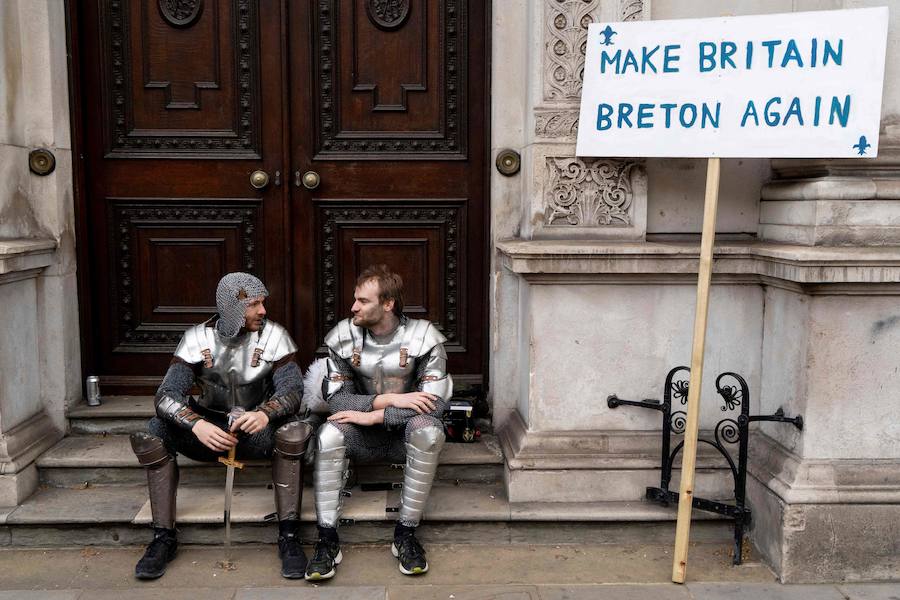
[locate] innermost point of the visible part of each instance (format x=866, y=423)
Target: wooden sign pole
x=689, y=452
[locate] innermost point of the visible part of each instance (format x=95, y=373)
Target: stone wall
x=593, y=291
x=39, y=342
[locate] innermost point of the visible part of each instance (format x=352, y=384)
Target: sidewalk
x=458, y=572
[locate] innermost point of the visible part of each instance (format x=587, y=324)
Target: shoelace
x=290, y=545
x=322, y=551
x=410, y=547
x=158, y=546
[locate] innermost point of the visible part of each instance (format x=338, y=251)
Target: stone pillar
x=39, y=341
x=828, y=501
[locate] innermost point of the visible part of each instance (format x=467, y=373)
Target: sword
x=230, y=464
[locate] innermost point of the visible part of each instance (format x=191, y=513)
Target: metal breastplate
x=383, y=368
x=233, y=380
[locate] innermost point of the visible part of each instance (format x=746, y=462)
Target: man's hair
x=390, y=285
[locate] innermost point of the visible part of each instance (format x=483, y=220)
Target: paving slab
x=113, y=504
x=304, y=591
x=156, y=594
x=453, y=565
x=40, y=595
x=757, y=591
x=871, y=591
x=465, y=592
x=668, y=591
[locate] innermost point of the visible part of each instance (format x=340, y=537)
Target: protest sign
x=786, y=85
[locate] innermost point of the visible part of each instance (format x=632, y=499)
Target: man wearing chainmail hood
x=239, y=360
x=386, y=388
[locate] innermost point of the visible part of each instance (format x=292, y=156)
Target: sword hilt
x=229, y=461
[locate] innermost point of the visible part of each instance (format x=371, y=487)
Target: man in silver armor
x=386, y=388
x=239, y=360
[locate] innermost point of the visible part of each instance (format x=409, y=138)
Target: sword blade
x=229, y=488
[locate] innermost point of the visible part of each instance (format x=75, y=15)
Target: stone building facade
x=592, y=291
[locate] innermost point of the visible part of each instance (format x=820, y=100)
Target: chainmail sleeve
x=431, y=377
x=288, y=394
x=171, y=397
x=339, y=387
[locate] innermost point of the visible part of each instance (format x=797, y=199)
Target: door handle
x=310, y=180
x=259, y=179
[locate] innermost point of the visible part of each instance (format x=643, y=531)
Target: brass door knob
x=259, y=179
x=311, y=180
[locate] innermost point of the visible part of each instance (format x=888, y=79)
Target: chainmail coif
x=233, y=294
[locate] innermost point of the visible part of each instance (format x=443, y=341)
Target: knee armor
x=422, y=456
x=162, y=477
x=330, y=475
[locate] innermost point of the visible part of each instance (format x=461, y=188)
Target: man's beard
x=366, y=323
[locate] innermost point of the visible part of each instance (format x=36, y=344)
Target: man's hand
x=251, y=422
x=421, y=402
x=366, y=419
x=214, y=438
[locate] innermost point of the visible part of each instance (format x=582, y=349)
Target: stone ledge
x=25, y=254
x=21, y=445
x=797, y=480
x=576, y=262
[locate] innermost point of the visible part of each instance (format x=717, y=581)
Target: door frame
x=84, y=266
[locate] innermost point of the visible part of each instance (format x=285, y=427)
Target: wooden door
x=182, y=101
x=388, y=106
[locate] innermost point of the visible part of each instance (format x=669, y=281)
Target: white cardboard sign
x=777, y=86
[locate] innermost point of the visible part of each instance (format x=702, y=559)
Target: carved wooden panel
x=167, y=259
x=420, y=241
x=391, y=79
x=182, y=78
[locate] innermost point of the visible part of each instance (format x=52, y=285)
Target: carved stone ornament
x=593, y=194
x=181, y=13
x=566, y=45
x=631, y=10
x=556, y=124
x=387, y=14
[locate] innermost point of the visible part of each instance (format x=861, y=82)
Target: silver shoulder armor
x=192, y=344
x=343, y=338
x=278, y=343
x=421, y=336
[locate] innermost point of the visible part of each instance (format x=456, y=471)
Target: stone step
x=108, y=460
x=114, y=415
x=465, y=513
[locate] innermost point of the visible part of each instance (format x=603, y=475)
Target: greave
x=422, y=452
x=330, y=475
x=287, y=468
x=162, y=477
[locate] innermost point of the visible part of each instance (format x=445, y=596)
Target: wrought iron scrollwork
x=728, y=431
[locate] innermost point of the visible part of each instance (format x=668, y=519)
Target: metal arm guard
x=330, y=475
x=422, y=452
x=162, y=477
x=287, y=468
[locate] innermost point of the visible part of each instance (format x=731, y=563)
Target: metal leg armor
x=162, y=477
x=330, y=475
x=287, y=468
x=422, y=452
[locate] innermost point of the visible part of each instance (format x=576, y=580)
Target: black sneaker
x=325, y=558
x=161, y=550
x=411, y=554
x=293, y=560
